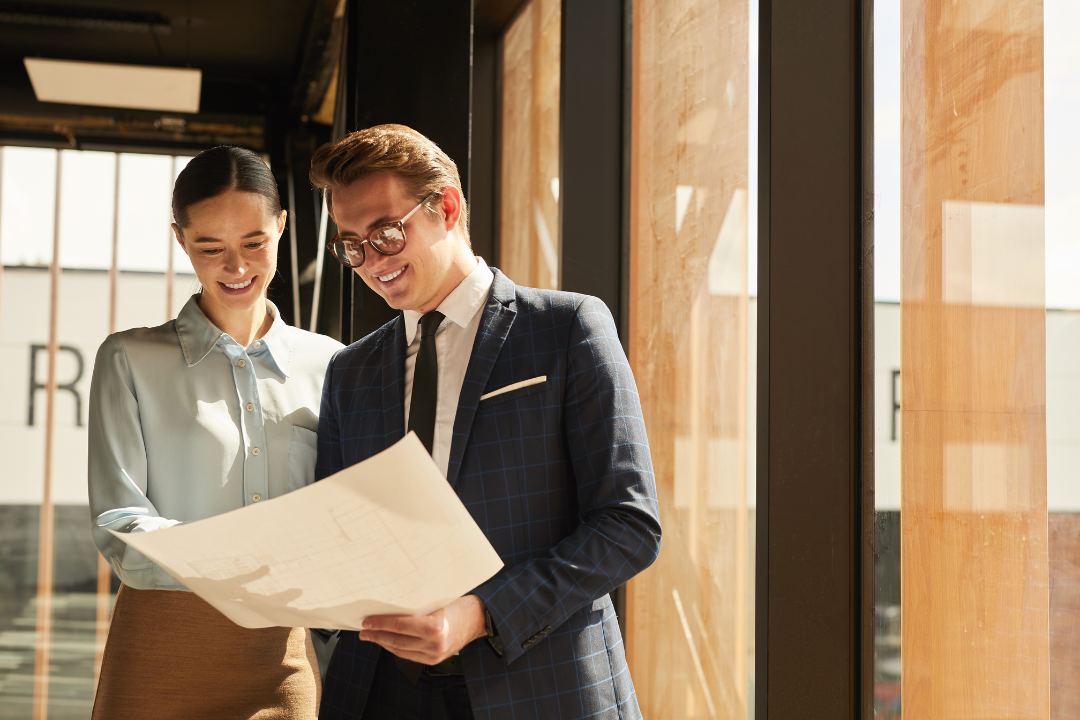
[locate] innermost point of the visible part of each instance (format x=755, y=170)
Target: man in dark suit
x=526, y=402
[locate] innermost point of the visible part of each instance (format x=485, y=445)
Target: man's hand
x=428, y=639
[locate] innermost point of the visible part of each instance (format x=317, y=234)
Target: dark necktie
x=425, y=386
x=425, y=396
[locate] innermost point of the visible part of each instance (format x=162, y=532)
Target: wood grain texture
x=688, y=617
x=529, y=207
x=974, y=539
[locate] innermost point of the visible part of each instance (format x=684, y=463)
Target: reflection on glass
x=690, y=616
x=529, y=199
x=81, y=596
x=974, y=120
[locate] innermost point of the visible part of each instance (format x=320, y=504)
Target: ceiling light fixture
x=109, y=85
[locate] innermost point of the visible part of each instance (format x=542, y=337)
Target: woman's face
x=232, y=242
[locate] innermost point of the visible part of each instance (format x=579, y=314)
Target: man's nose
x=375, y=262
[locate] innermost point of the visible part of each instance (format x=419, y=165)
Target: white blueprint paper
x=386, y=536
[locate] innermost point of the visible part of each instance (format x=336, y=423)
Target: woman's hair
x=218, y=170
x=419, y=162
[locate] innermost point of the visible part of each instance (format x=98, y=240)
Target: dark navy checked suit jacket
x=558, y=476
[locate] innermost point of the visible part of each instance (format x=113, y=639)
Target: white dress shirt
x=453, y=345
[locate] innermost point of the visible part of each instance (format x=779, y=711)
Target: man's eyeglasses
x=388, y=239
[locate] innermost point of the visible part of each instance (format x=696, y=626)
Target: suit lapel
x=494, y=327
x=393, y=383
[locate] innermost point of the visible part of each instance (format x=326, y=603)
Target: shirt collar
x=198, y=336
x=463, y=302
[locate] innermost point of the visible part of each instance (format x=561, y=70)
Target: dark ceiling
x=254, y=55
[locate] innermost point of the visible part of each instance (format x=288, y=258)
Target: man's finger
x=421, y=658
x=392, y=640
x=415, y=625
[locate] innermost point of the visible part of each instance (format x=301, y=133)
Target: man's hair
x=420, y=163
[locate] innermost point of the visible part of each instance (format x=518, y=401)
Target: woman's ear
x=281, y=221
x=179, y=236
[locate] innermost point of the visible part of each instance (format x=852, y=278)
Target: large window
x=692, y=347
x=977, y=345
x=108, y=215
x=529, y=194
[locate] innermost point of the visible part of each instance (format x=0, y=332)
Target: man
x=526, y=402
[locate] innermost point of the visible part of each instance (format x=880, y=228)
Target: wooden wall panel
x=529, y=204
x=688, y=617
x=974, y=539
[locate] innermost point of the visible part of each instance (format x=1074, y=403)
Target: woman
x=211, y=412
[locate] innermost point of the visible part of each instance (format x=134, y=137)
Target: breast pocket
x=534, y=387
x=303, y=454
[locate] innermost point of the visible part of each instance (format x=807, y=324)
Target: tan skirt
x=171, y=655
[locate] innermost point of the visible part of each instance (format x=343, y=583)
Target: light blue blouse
x=185, y=424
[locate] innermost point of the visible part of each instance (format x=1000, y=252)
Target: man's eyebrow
x=384, y=220
x=253, y=233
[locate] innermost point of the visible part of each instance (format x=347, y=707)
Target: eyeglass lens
x=388, y=240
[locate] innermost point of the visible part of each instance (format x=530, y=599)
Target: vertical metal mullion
x=2, y=149
x=320, y=258
x=813, y=453
x=294, y=260
x=764, y=159
x=47, y=519
x=866, y=302
x=169, y=254
x=104, y=571
x=497, y=141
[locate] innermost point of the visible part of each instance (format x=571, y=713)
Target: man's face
x=414, y=278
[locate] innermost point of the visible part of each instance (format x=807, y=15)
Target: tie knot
x=429, y=323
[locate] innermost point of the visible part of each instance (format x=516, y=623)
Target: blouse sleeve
x=117, y=472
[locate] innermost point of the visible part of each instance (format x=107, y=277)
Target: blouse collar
x=198, y=336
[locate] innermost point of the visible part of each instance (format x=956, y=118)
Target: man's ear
x=451, y=207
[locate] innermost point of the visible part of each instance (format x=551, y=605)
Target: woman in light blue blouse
x=208, y=413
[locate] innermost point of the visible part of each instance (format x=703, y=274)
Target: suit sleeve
x=329, y=451
x=117, y=472
x=619, y=532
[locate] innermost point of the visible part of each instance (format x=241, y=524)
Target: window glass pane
x=975, y=214
x=181, y=264
x=887, y=385
x=87, y=186
x=1062, y=107
x=145, y=214
x=692, y=347
x=529, y=212
x=61, y=643
x=27, y=205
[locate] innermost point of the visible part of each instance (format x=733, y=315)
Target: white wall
x=82, y=324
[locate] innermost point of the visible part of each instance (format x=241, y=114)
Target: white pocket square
x=515, y=386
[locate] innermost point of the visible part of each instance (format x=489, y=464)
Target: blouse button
x=256, y=497
x=255, y=451
x=241, y=363
x=250, y=407
x=258, y=344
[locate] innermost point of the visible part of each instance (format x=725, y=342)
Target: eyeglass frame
x=399, y=224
